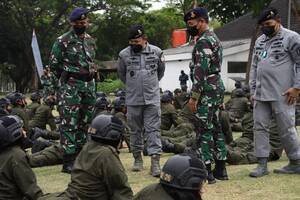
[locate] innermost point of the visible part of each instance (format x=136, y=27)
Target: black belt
x=79, y=76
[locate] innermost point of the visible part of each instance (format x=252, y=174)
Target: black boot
x=210, y=177
x=68, y=162
x=155, y=167
x=292, y=168
x=167, y=146
x=138, y=162
x=261, y=169
x=220, y=171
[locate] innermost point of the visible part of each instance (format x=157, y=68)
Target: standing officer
x=275, y=86
x=71, y=61
x=207, y=91
x=183, y=78
x=141, y=67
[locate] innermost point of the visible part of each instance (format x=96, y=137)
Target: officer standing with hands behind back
x=141, y=67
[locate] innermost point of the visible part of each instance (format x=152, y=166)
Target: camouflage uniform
x=72, y=61
x=237, y=107
x=208, y=89
x=49, y=82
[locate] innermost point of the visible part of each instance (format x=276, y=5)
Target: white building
x=235, y=38
x=235, y=56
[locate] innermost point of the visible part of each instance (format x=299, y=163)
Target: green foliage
x=223, y=10
x=110, y=85
x=159, y=25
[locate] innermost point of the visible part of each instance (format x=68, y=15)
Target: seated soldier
x=179, y=99
x=98, y=172
x=119, y=111
x=169, y=116
x=5, y=107
x=101, y=106
x=241, y=150
x=17, y=180
x=18, y=107
x=43, y=114
x=237, y=107
x=182, y=178
x=35, y=98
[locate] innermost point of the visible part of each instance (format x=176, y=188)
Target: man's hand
x=193, y=105
x=291, y=95
x=252, y=99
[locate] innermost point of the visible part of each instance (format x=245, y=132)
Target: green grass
x=239, y=187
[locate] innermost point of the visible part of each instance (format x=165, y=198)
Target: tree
x=50, y=19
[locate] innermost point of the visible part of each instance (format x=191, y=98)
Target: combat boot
x=155, y=167
x=138, y=162
x=292, y=168
x=261, y=169
x=167, y=146
x=210, y=177
x=220, y=171
x=68, y=162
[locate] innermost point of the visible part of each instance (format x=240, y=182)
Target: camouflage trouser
x=78, y=100
x=209, y=130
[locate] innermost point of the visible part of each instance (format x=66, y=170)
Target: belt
x=213, y=74
x=79, y=76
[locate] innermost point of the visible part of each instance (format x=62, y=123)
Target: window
x=237, y=67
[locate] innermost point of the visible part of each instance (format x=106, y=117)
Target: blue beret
x=196, y=13
x=78, y=14
x=136, y=31
x=267, y=14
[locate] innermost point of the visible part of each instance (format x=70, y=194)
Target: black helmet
x=165, y=97
x=15, y=97
x=183, y=172
x=10, y=130
x=121, y=93
x=106, y=128
x=35, y=96
x=102, y=103
x=119, y=102
x=4, y=102
x=100, y=94
x=239, y=92
x=238, y=84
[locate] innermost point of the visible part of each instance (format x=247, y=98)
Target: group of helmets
x=167, y=96
x=10, y=130
x=103, y=102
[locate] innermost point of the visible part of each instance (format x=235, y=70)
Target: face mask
x=136, y=48
x=268, y=30
x=79, y=30
x=193, y=31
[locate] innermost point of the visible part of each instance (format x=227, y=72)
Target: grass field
x=239, y=187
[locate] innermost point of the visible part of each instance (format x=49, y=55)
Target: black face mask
x=193, y=31
x=79, y=30
x=268, y=30
x=136, y=48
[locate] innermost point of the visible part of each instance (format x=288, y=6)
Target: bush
x=109, y=85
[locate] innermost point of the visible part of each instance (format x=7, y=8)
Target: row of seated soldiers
x=178, y=126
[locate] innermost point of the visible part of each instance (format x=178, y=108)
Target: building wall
x=176, y=63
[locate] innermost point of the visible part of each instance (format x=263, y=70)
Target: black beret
x=78, y=14
x=136, y=31
x=267, y=14
x=196, y=13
